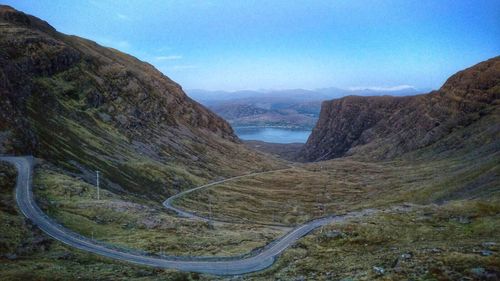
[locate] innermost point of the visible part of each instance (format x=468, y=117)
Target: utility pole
x=209, y=208
x=210, y=217
x=98, y=195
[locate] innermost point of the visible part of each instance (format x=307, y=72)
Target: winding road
x=169, y=202
x=260, y=261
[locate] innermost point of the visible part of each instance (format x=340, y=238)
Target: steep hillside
x=85, y=107
x=385, y=127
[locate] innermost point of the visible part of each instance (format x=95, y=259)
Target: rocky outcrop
x=133, y=92
x=342, y=123
x=386, y=127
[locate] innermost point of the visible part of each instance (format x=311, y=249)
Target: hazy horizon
x=236, y=45
x=357, y=88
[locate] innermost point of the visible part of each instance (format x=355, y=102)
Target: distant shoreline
x=274, y=127
x=273, y=134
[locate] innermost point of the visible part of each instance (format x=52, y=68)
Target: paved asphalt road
x=168, y=203
x=25, y=201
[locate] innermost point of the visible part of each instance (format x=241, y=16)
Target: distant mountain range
x=292, y=108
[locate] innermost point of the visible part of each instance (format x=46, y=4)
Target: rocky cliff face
x=342, y=122
x=86, y=107
x=386, y=127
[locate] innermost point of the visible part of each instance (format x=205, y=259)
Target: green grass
x=28, y=254
x=153, y=159
x=140, y=224
x=313, y=190
x=444, y=241
x=440, y=247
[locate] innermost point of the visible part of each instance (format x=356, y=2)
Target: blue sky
x=233, y=45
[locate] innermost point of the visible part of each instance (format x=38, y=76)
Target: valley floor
x=444, y=234
x=307, y=191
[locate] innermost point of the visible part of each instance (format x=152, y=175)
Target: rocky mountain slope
x=386, y=127
x=85, y=107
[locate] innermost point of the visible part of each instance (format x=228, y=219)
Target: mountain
x=84, y=107
x=265, y=113
x=463, y=111
x=294, y=108
x=334, y=92
x=206, y=97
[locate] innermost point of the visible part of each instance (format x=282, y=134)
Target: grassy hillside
x=140, y=224
x=456, y=241
x=444, y=227
x=464, y=165
x=294, y=196
x=28, y=254
x=446, y=242
x=85, y=107
x=431, y=170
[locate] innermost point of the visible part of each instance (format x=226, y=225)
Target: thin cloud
x=388, y=89
x=122, y=16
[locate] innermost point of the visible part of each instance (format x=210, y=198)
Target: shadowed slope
x=385, y=127
x=85, y=107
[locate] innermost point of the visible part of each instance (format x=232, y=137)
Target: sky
x=273, y=44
